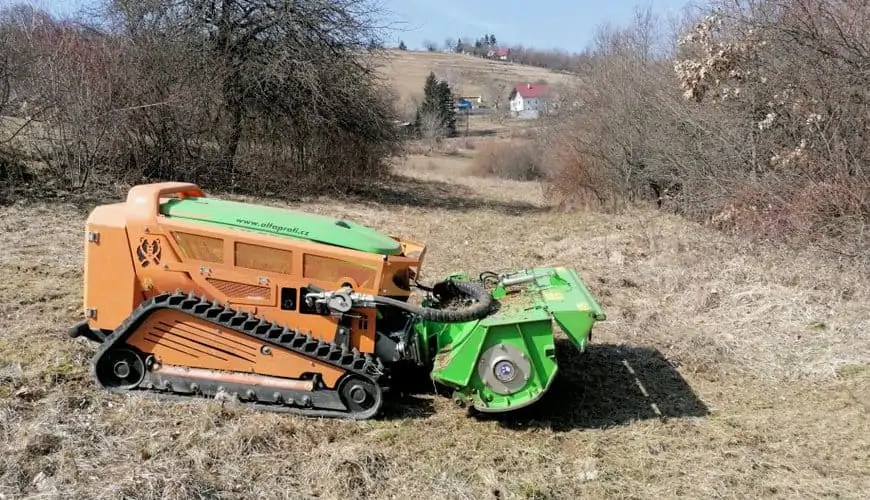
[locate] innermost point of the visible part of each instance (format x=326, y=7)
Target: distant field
x=468, y=75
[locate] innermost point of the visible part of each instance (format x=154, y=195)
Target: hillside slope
x=468, y=75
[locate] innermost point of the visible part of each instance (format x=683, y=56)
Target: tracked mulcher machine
x=191, y=296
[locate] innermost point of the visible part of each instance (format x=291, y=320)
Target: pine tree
x=402, y=45
x=430, y=105
x=437, y=103
x=448, y=113
x=430, y=95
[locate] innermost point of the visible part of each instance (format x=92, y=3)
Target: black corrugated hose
x=444, y=291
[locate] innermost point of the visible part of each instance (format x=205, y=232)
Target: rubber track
x=352, y=361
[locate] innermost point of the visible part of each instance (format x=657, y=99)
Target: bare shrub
x=416, y=147
x=794, y=75
x=757, y=132
x=577, y=178
x=231, y=98
x=69, y=81
x=432, y=130
x=512, y=160
x=618, y=142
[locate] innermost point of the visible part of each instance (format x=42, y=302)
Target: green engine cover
x=282, y=222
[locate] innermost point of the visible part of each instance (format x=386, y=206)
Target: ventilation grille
x=235, y=290
x=199, y=247
x=262, y=258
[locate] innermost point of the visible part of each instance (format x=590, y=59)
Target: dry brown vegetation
x=724, y=370
x=727, y=367
x=515, y=160
x=754, y=119
x=226, y=94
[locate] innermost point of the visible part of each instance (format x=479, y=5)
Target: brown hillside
x=468, y=75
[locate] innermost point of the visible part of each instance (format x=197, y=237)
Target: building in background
x=529, y=100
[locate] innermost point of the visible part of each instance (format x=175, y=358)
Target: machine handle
x=146, y=197
x=182, y=189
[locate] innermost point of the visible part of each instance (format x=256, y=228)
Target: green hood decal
x=282, y=222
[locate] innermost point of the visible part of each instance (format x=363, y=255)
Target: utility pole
x=467, y=117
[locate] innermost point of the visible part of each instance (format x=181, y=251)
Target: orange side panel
x=175, y=338
x=330, y=269
x=111, y=289
x=247, y=270
x=263, y=258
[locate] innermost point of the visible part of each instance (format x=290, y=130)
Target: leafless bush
x=70, y=84
x=796, y=74
x=432, y=130
x=12, y=64
x=450, y=146
x=513, y=160
x=757, y=132
x=235, y=98
x=615, y=135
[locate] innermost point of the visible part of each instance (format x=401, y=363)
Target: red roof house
x=530, y=90
x=503, y=54
x=528, y=99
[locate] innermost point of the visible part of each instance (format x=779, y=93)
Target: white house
x=527, y=99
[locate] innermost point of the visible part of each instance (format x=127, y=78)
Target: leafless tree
x=233, y=93
x=755, y=133
x=432, y=130
x=453, y=77
x=497, y=91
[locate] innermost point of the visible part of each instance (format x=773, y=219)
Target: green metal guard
x=508, y=360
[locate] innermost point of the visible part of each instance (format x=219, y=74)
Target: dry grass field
x=724, y=370
x=468, y=75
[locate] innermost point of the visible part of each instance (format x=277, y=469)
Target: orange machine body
x=133, y=252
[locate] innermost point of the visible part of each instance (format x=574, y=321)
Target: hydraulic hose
x=477, y=310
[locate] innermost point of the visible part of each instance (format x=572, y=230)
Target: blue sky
x=545, y=24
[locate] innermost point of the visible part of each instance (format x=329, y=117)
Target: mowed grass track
x=723, y=371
